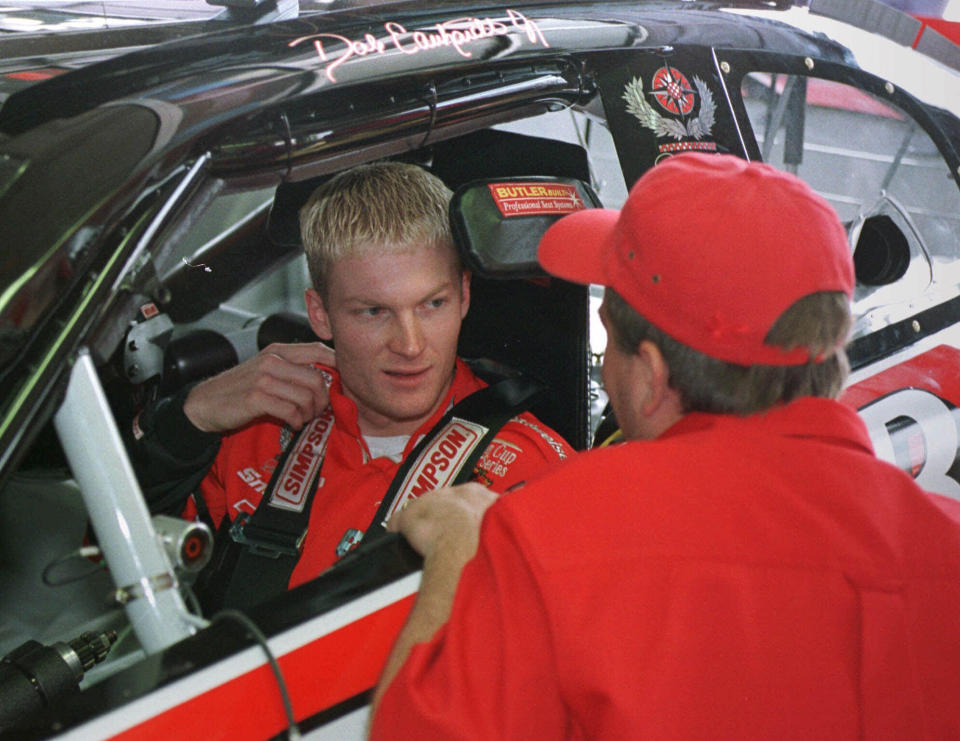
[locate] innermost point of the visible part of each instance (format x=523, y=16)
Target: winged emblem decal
x=672, y=91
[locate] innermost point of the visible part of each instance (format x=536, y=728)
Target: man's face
x=395, y=319
x=625, y=384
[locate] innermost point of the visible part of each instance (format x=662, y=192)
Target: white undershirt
x=387, y=447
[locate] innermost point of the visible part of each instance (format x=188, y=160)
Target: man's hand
x=444, y=522
x=444, y=527
x=278, y=382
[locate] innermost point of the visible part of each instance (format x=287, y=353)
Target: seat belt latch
x=350, y=540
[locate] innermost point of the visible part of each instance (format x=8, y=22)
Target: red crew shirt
x=739, y=578
x=352, y=483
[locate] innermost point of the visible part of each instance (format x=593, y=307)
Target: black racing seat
x=519, y=316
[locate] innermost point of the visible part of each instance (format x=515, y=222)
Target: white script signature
x=458, y=33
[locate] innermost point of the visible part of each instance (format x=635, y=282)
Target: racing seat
x=518, y=316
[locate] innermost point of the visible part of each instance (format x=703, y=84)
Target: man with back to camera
x=744, y=567
x=389, y=290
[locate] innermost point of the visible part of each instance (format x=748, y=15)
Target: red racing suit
x=760, y=577
x=352, y=483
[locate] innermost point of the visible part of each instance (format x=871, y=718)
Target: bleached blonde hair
x=386, y=206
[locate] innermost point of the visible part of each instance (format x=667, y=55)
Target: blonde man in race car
x=743, y=567
x=389, y=291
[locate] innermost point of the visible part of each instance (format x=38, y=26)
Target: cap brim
x=574, y=247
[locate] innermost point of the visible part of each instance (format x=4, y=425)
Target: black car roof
x=83, y=89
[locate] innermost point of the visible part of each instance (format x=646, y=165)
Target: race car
x=148, y=239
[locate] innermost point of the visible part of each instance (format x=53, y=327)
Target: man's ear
x=317, y=314
x=657, y=376
x=465, y=277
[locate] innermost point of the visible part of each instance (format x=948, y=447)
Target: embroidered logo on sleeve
x=244, y=505
x=555, y=444
x=498, y=456
x=253, y=478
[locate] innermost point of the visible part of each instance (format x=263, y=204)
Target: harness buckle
x=350, y=540
x=265, y=541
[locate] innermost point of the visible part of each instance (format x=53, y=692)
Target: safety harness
x=254, y=555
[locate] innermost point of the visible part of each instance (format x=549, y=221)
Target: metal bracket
x=144, y=588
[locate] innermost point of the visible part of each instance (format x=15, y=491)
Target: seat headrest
x=497, y=222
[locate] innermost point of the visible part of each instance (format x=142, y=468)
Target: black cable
x=293, y=731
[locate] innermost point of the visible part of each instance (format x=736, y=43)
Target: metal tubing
x=145, y=580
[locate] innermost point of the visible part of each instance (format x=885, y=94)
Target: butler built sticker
x=536, y=199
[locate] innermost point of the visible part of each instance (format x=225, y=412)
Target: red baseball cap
x=711, y=249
